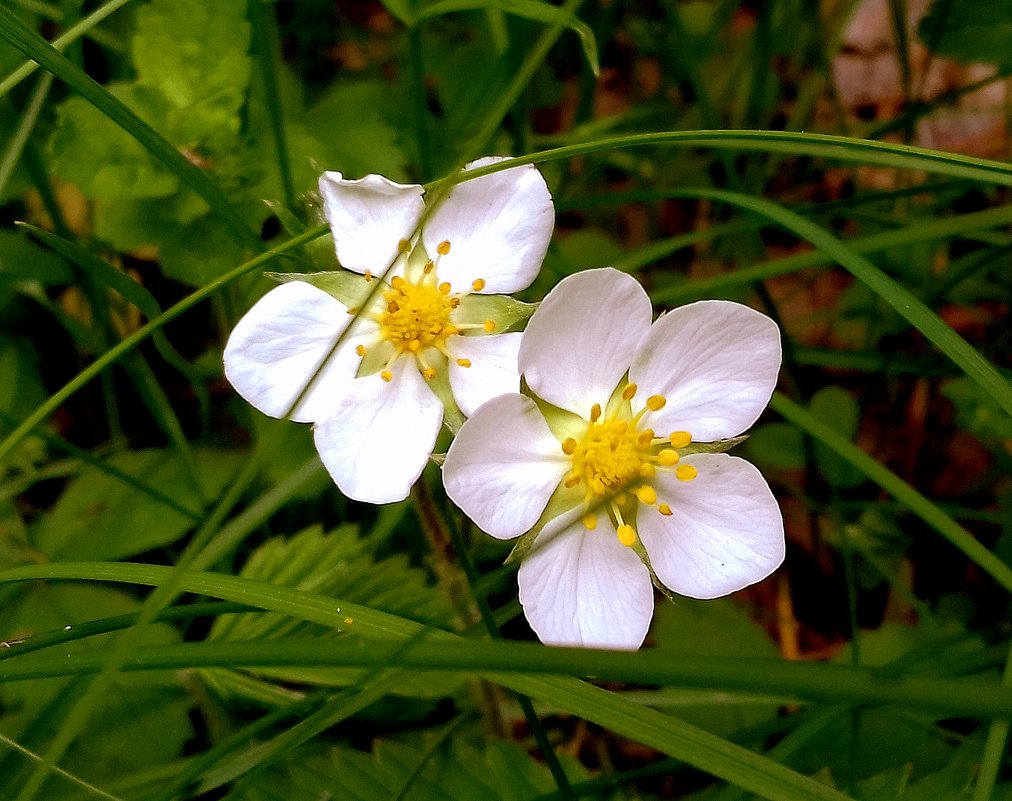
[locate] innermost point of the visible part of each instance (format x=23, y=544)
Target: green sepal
x=561, y=422
x=508, y=313
x=348, y=287
x=718, y=446
x=453, y=417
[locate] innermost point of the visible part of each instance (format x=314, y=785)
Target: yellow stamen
x=656, y=402
x=664, y=509
x=360, y=350
x=429, y=267
x=572, y=481
x=414, y=345
x=626, y=535
x=489, y=326
x=595, y=412
x=443, y=247
x=569, y=446
x=686, y=472
x=464, y=362
x=445, y=288
x=629, y=391
x=647, y=495
x=668, y=457
x=368, y=276
x=429, y=373
x=386, y=375
x=647, y=470
x=645, y=437
x=478, y=284
x=590, y=522
x=398, y=282
x=680, y=439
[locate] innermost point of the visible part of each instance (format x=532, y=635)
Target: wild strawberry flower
x=372, y=365
x=611, y=465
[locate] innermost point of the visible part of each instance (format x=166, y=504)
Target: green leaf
x=21, y=387
x=195, y=54
x=776, y=445
x=100, y=517
x=970, y=31
x=100, y=157
x=23, y=260
x=199, y=251
x=978, y=414
x=836, y=408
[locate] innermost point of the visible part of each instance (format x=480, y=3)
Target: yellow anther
x=647, y=470
x=595, y=412
x=414, y=345
x=398, y=282
x=664, y=509
x=454, y=303
x=443, y=247
x=447, y=329
x=569, y=446
x=489, y=326
x=590, y=522
x=393, y=307
x=429, y=267
x=386, y=375
x=655, y=402
x=680, y=439
x=645, y=437
x=572, y=481
x=368, y=276
x=478, y=284
x=404, y=246
x=464, y=362
x=668, y=457
x=686, y=472
x=445, y=288
x=626, y=535
x=429, y=373
x=629, y=391
x=360, y=350
x=647, y=495
x=619, y=427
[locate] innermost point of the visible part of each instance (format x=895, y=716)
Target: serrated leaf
x=100, y=517
x=195, y=54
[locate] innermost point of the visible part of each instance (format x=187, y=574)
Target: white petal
x=716, y=362
x=583, y=337
x=584, y=588
x=277, y=348
x=369, y=217
x=378, y=440
x=493, y=369
x=725, y=531
x=498, y=227
x=503, y=466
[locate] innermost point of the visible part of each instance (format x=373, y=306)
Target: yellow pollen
x=360, y=350
x=595, y=412
x=429, y=267
x=590, y=522
x=647, y=470
x=445, y=288
x=647, y=495
x=686, y=472
x=454, y=303
x=368, y=276
x=608, y=455
x=489, y=326
x=478, y=284
x=664, y=509
x=464, y=362
x=404, y=246
x=443, y=247
x=386, y=375
x=429, y=373
x=626, y=535
x=646, y=436
x=415, y=317
x=655, y=402
x=572, y=481
x=569, y=446
x=668, y=457
x=680, y=439
x=629, y=391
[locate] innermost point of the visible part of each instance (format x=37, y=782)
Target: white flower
x=373, y=391
x=608, y=458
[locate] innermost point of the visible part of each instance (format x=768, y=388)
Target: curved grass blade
x=20, y=36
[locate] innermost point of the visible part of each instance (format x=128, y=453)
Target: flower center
x=417, y=315
x=615, y=461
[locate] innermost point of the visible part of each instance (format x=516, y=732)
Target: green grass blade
x=16, y=33
x=12, y=155
x=897, y=487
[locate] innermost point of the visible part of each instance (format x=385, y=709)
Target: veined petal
x=584, y=588
x=503, y=466
x=493, y=368
x=280, y=344
x=369, y=217
x=725, y=531
x=379, y=437
x=498, y=227
x=715, y=362
x=583, y=337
